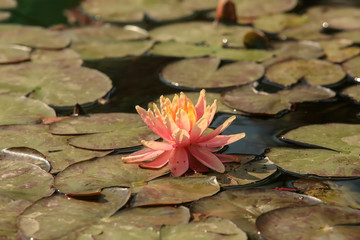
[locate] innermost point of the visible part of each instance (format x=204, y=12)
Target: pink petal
x=228, y=158
x=170, y=123
x=212, y=112
x=159, y=127
x=157, y=145
x=207, y=158
x=182, y=120
x=221, y=140
x=179, y=162
x=218, y=130
x=159, y=161
x=198, y=129
x=195, y=165
x=181, y=137
x=142, y=155
x=201, y=105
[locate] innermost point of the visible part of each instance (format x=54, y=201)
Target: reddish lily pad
x=210, y=228
x=22, y=110
x=243, y=206
x=352, y=67
x=339, y=50
x=13, y=53
x=278, y=22
x=91, y=176
x=353, y=92
x=310, y=222
x=32, y=36
x=315, y=72
x=57, y=216
x=8, y=4
x=108, y=131
x=55, y=85
x=176, y=190
x=205, y=73
x=248, y=99
x=65, y=57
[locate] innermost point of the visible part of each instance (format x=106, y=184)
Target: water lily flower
x=182, y=125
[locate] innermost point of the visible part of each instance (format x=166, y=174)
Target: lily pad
x=22, y=110
x=4, y=15
x=13, y=53
x=310, y=222
x=91, y=176
x=351, y=35
x=278, y=22
x=351, y=67
x=108, y=131
x=32, y=36
x=309, y=31
x=64, y=57
x=206, y=73
x=243, y=206
x=176, y=190
x=55, y=148
x=8, y=4
x=210, y=228
x=56, y=216
x=339, y=50
x=315, y=72
x=248, y=99
x=55, y=85
x=353, y=92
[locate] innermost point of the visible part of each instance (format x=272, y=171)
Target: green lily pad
x=57, y=216
x=315, y=72
x=351, y=35
x=309, y=31
x=21, y=180
x=248, y=99
x=24, y=154
x=32, y=36
x=55, y=85
x=278, y=22
x=176, y=190
x=353, y=92
x=351, y=67
x=339, y=50
x=22, y=110
x=64, y=57
x=134, y=11
x=243, y=206
x=55, y=148
x=108, y=131
x=91, y=176
x=310, y=222
x=206, y=73
x=13, y=53
x=210, y=228
x=8, y=4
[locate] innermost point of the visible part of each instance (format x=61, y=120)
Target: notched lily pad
x=353, y=92
x=278, y=22
x=207, y=73
x=315, y=72
x=339, y=50
x=352, y=67
x=176, y=190
x=248, y=99
x=13, y=53
x=310, y=222
x=92, y=175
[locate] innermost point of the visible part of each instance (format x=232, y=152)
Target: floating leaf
x=351, y=35
x=91, y=176
x=351, y=67
x=309, y=31
x=57, y=216
x=8, y=4
x=205, y=73
x=4, y=15
x=22, y=110
x=338, y=50
x=315, y=72
x=310, y=222
x=258, y=8
x=210, y=228
x=55, y=85
x=243, y=206
x=65, y=57
x=109, y=130
x=176, y=190
x=32, y=36
x=248, y=99
x=13, y=53
x=353, y=92
x=278, y=22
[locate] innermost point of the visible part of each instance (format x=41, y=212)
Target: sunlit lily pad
x=13, y=53
x=207, y=73
x=315, y=72
x=309, y=31
x=248, y=99
x=339, y=50
x=278, y=22
x=310, y=222
x=353, y=92
x=177, y=49
x=109, y=131
x=65, y=57
x=176, y=190
x=245, y=205
x=134, y=11
x=8, y=4
x=22, y=110
x=91, y=176
x=210, y=228
x=55, y=85
x=352, y=67
x=55, y=148
x=4, y=15
x=351, y=35
x=32, y=36
x=56, y=216
x=258, y=8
